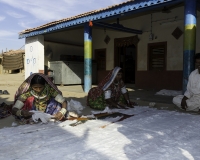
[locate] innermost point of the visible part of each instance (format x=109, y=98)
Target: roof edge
x=96, y=15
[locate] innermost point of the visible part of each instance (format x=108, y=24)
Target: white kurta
x=192, y=93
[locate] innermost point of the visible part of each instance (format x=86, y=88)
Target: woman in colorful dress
x=110, y=92
x=37, y=95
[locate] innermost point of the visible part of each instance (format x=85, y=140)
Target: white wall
x=162, y=32
x=34, y=55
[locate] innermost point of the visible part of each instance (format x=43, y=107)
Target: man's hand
x=183, y=103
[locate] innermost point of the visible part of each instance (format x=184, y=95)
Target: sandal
x=5, y=92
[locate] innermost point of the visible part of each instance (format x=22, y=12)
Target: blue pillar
x=189, y=40
x=87, y=57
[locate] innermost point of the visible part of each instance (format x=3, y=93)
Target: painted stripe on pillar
x=87, y=75
x=190, y=37
x=189, y=57
x=88, y=49
x=190, y=19
x=87, y=57
x=189, y=40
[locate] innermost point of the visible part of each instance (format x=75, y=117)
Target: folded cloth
x=38, y=115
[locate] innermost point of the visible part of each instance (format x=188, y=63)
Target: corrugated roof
x=110, y=11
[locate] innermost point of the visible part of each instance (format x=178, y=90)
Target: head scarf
x=103, y=85
x=110, y=78
x=26, y=85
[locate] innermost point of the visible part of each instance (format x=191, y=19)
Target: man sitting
x=190, y=101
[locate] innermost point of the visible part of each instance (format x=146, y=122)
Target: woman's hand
x=130, y=105
x=123, y=106
x=58, y=116
x=26, y=113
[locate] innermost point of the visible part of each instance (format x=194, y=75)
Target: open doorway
x=100, y=58
x=125, y=57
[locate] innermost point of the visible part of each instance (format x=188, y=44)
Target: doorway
x=126, y=57
x=100, y=59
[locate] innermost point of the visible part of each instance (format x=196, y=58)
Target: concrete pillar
x=34, y=55
x=189, y=40
x=87, y=58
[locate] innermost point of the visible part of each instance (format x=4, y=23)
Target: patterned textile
x=96, y=98
x=100, y=103
x=52, y=108
x=44, y=101
x=116, y=90
x=40, y=100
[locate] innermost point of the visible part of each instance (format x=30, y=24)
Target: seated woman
x=38, y=93
x=110, y=92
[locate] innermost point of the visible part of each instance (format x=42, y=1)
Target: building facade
x=153, y=41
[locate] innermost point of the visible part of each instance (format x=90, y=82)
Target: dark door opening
x=127, y=61
x=126, y=56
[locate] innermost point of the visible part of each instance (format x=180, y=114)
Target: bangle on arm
x=128, y=101
x=19, y=113
x=59, y=98
x=107, y=94
x=123, y=90
x=63, y=111
x=18, y=104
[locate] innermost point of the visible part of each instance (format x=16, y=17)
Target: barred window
x=157, y=56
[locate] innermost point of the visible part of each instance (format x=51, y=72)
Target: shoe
x=5, y=92
x=2, y=104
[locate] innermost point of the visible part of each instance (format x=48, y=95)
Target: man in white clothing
x=190, y=101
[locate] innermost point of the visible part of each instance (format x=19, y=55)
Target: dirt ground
x=11, y=82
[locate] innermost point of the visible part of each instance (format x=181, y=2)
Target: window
x=157, y=56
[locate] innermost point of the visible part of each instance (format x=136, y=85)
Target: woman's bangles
x=63, y=111
x=19, y=113
x=128, y=102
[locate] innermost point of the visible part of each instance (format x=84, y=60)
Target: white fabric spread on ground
x=150, y=134
x=165, y=92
